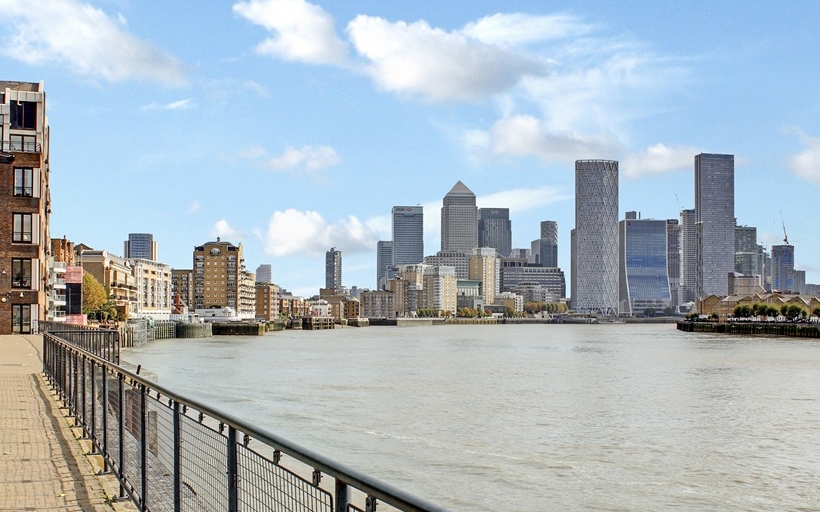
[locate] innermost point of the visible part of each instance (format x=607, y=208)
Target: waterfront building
x=25, y=204
x=715, y=222
x=264, y=273
x=469, y=294
x=440, y=289
x=140, y=245
x=115, y=273
x=495, y=230
x=783, y=268
x=548, y=246
x=510, y=301
x=459, y=220
x=595, y=249
x=408, y=235
x=154, y=297
x=407, y=289
x=484, y=267
x=643, y=265
x=377, y=304
x=220, y=279
x=458, y=260
x=333, y=269
x=267, y=301
x=537, y=283
x=182, y=286
x=384, y=260
x=673, y=257
x=688, y=257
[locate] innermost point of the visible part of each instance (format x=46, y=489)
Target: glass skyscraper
x=548, y=250
x=715, y=222
x=783, y=268
x=333, y=269
x=495, y=230
x=140, y=245
x=408, y=235
x=459, y=220
x=644, y=278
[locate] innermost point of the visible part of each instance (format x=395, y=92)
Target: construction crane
x=785, y=236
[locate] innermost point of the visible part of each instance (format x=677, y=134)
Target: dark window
x=20, y=273
x=22, y=228
x=23, y=181
x=21, y=318
x=23, y=115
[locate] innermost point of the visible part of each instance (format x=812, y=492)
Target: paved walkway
x=42, y=461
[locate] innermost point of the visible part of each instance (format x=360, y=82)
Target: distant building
x=800, y=281
x=440, y=289
x=182, y=286
x=220, y=279
x=595, y=247
x=643, y=266
x=688, y=257
x=485, y=267
x=459, y=220
x=333, y=269
x=267, y=301
x=25, y=204
x=140, y=245
x=673, y=259
x=715, y=222
x=377, y=304
x=384, y=260
x=495, y=230
x=548, y=247
x=407, y=290
x=408, y=234
x=264, y=274
x=115, y=273
x=783, y=268
x=458, y=260
x=153, y=280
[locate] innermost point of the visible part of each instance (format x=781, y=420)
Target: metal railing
x=103, y=343
x=21, y=146
x=171, y=453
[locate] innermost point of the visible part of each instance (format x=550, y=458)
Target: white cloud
x=296, y=232
x=806, y=164
x=86, y=41
x=194, y=207
x=415, y=58
x=517, y=29
x=303, y=31
x=658, y=159
x=309, y=158
x=522, y=200
x=174, y=105
x=224, y=230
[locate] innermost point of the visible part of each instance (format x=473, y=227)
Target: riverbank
x=753, y=328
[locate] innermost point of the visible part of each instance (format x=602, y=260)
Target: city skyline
x=291, y=143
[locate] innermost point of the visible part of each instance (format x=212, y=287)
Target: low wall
x=753, y=328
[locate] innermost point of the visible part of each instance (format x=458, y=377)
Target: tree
x=94, y=295
x=669, y=311
x=649, y=312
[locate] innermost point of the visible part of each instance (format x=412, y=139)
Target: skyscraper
x=595, y=246
x=264, y=273
x=673, y=259
x=783, y=268
x=688, y=256
x=140, y=245
x=408, y=234
x=747, y=252
x=333, y=269
x=495, y=230
x=459, y=220
x=715, y=222
x=549, y=244
x=384, y=259
x=644, y=278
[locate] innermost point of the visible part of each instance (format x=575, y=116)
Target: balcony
x=21, y=146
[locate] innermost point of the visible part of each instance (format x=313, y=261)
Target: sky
x=292, y=127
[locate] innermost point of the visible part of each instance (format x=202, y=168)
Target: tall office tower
x=408, y=235
x=333, y=269
x=783, y=268
x=534, y=257
x=715, y=222
x=140, y=245
x=799, y=281
x=688, y=256
x=459, y=220
x=484, y=267
x=673, y=259
x=384, y=259
x=495, y=230
x=595, y=272
x=549, y=244
x=24, y=196
x=644, y=277
x=264, y=274
x=220, y=279
x=746, y=251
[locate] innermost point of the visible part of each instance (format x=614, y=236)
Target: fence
x=103, y=343
x=171, y=453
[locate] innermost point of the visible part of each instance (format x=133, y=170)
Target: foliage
x=816, y=311
x=549, y=307
x=94, y=294
x=669, y=311
x=649, y=312
x=793, y=312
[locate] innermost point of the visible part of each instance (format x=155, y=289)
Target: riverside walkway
x=43, y=465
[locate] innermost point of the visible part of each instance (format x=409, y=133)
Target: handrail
x=67, y=367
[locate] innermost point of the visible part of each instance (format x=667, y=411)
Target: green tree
x=94, y=294
x=649, y=312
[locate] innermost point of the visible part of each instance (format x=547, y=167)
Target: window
x=23, y=181
x=21, y=318
x=23, y=115
x=24, y=143
x=20, y=273
x=22, y=231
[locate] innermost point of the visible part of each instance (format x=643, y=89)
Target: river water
x=530, y=418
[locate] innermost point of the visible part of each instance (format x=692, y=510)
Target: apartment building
x=220, y=279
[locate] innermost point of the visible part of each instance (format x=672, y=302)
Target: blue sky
x=292, y=127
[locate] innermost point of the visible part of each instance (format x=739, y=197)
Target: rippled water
x=530, y=418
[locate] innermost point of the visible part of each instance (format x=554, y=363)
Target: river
x=530, y=417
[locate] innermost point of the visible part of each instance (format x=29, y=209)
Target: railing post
x=233, y=474
x=83, y=396
x=177, y=458
x=144, y=447
x=121, y=433
x=104, y=412
x=341, y=496
x=93, y=429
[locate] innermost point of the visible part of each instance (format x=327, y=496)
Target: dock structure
x=791, y=329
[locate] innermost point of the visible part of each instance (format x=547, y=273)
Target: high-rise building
x=595, y=247
x=746, y=251
x=384, y=259
x=440, y=289
x=688, y=257
x=24, y=201
x=408, y=235
x=715, y=222
x=783, y=268
x=673, y=259
x=549, y=244
x=264, y=274
x=220, y=279
x=459, y=220
x=485, y=267
x=495, y=230
x=140, y=245
x=644, y=277
x=458, y=260
x=333, y=269
x=799, y=281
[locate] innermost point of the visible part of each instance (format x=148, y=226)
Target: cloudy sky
x=292, y=127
